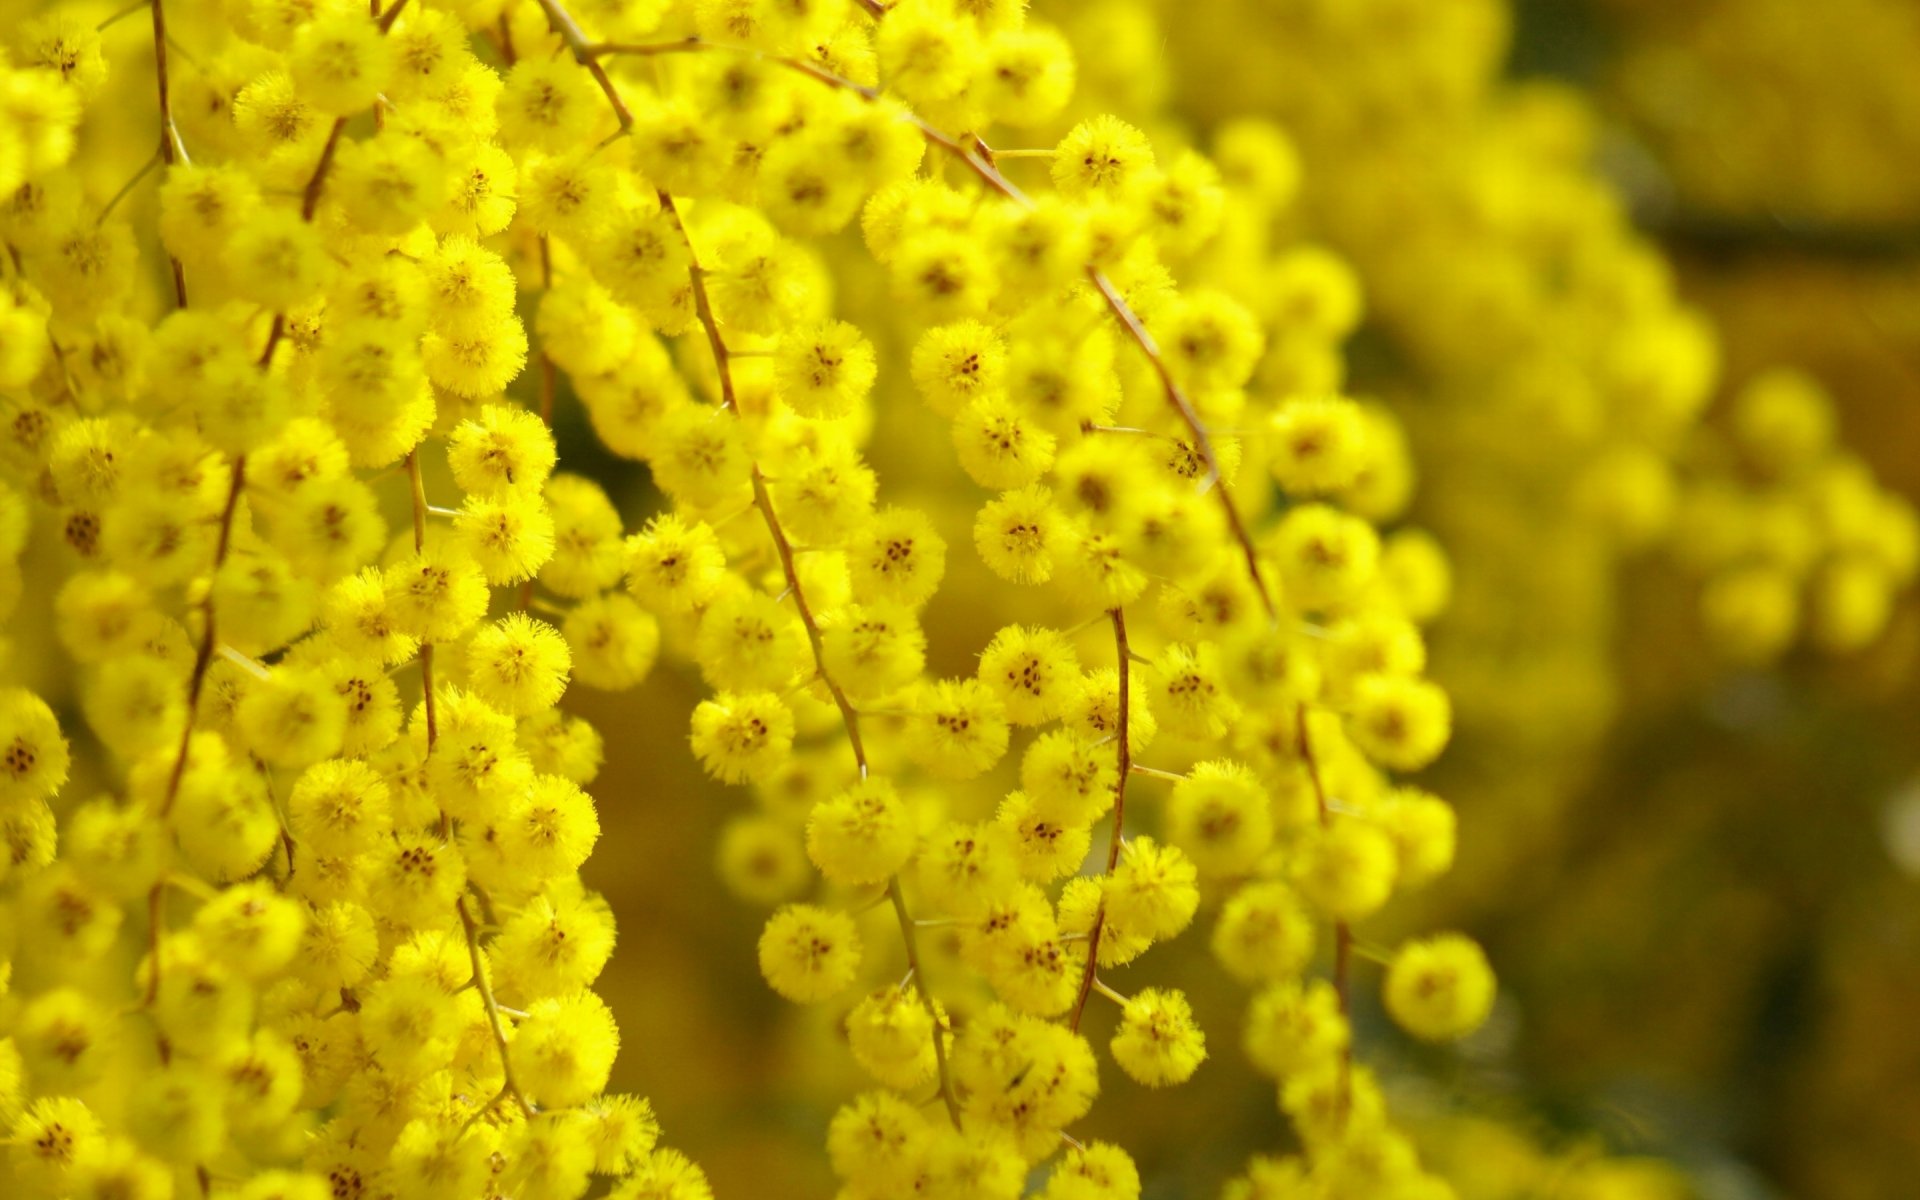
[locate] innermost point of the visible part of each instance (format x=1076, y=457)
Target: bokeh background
x=1700, y=881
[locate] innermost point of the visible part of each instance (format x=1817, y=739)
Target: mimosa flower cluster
x=306, y=921
x=1788, y=530
x=293, y=905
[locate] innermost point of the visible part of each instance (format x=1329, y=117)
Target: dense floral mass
x=295, y=297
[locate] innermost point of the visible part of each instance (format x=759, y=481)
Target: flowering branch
x=1123, y=657
x=471, y=928
x=589, y=55
x=583, y=52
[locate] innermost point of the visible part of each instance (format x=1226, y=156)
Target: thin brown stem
x=309, y=204
x=471, y=928
x=310, y=198
x=171, y=148
x=196, y=684
x=1202, y=440
x=569, y=30
x=762, y=498
x=274, y=334
x=703, y=307
x=392, y=14
x=203, y=653
x=508, y=54
x=908, y=936
x=508, y=1084
x=849, y=715
x=419, y=492
x=1123, y=754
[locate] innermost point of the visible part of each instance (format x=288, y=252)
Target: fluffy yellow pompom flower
x=954, y=365
x=1318, y=444
x=824, y=371
x=863, y=835
x=292, y=718
x=871, y=650
x=1092, y=708
x=963, y=867
x=1422, y=827
x=614, y=642
x=877, y=1140
x=1264, y=933
x=1221, y=816
x=1045, y=847
x=742, y=737
x=891, y=1035
x=510, y=536
x=825, y=494
x=750, y=640
x=548, y=105
x=1096, y=1171
x=1031, y=670
x=1019, y=534
x=674, y=565
x=1346, y=869
x=588, y=553
x=558, y=943
x=809, y=954
x=201, y=207
x=1190, y=694
x=340, y=61
x=959, y=728
x=550, y=831
x=278, y=259
x=1157, y=1042
x=564, y=1049
x=518, y=664
x=388, y=183
x=898, y=556
x=416, y=880
x=1400, y=723
x=436, y=595
x=1068, y=778
x=33, y=755
x=1326, y=557
x=507, y=449
x=339, y=807
x=985, y=1165
x=1102, y=156
x=926, y=54
x=1152, y=890
x=1294, y=1027
x=1440, y=988
x=340, y=946
x=999, y=446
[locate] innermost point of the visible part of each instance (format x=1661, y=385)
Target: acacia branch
x=1123, y=656
x=588, y=56
x=981, y=165
x=171, y=148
